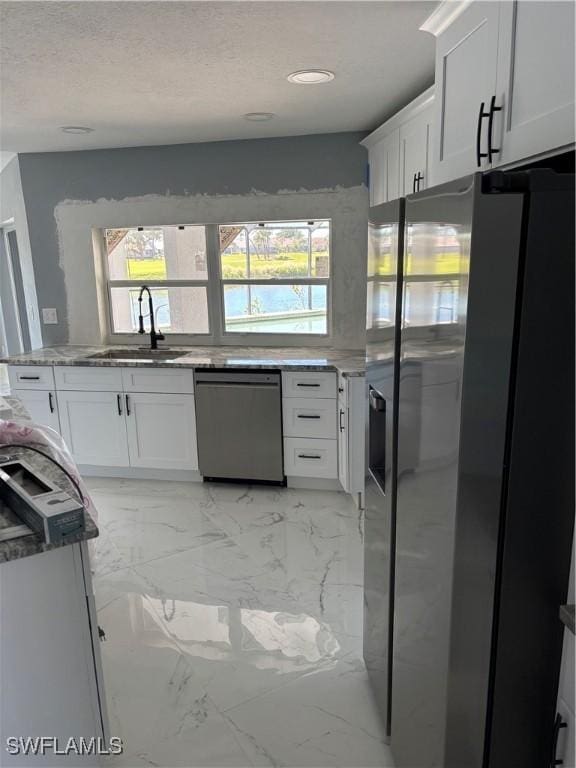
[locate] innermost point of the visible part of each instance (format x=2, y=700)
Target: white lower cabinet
x=351, y=435
x=94, y=427
x=310, y=457
x=161, y=431
x=41, y=405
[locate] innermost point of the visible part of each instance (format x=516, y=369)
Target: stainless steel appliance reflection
x=469, y=500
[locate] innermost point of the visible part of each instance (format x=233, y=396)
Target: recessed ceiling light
x=76, y=129
x=259, y=117
x=311, y=76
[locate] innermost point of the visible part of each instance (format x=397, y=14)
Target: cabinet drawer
x=309, y=417
x=31, y=377
x=88, y=378
x=309, y=457
x=304, y=384
x=158, y=380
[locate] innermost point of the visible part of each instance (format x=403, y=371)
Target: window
x=275, y=277
x=172, y=262
x=381, y=289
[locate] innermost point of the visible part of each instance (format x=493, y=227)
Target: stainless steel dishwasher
x=239, y=425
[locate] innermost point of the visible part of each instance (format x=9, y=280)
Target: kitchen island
x=50, y=669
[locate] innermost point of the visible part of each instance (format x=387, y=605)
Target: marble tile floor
x=233, y=620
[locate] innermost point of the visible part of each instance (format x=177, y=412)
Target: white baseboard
x=138, y=473
x=314, y=483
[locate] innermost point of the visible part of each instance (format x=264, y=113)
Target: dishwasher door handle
x=244, y=384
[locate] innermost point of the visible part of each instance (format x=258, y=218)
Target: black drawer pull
x=305, y=384
x=127, y=405
x=119, y=404
x=29, y=378
x=307, y=416
x=308, y=456
x=51, y=402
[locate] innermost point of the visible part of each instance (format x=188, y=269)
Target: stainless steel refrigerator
x=470, y=476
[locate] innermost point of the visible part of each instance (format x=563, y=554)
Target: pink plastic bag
x=22, y=432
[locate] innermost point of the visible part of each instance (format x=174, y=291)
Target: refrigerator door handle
x=377, y=402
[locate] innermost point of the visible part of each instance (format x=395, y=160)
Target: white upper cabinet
x=399, y=151
x=414, y=150
x=383, y=160
x=466, y=57
x=504, y=83
x=535, y=78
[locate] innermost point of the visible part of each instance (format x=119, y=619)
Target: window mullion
x=214, y=288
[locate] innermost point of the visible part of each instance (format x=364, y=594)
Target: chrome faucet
x=154, y=337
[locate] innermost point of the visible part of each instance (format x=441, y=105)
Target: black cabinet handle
x=29, y=378
x=127, y=405
x=305, y=384
x=50, y=402
x=119, y=404
x=493, y=108
x=558, y=725
x=419, y=178
x=414, y=184
x=307, y=416
x=308, y=456
x=479, y=155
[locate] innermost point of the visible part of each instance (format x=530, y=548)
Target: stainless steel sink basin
x=142, y=355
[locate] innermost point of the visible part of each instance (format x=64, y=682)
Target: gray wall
x=247, y=172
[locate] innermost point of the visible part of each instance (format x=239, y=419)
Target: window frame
x=214, y=284
x=176, y=338
x=231, y=337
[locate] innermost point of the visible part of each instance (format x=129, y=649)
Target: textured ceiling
x=143, y=73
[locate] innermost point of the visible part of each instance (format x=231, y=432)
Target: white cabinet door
x=351, y=433
x=383, y=159
x=41, y=405
x=466, y=62
x=47, y=665
x=343, y=470
x=94, y=427
x=414, y=142
x=161, y=431
x=535, y=79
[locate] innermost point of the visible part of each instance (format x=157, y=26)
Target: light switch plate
x=49, y=316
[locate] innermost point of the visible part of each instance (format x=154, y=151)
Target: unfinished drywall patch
x=346, y=208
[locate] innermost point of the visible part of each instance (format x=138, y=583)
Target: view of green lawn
x=291, y=264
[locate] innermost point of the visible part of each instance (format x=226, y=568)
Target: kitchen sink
x=142, y=355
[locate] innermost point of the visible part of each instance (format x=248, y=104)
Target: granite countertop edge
x=31, y=544
x=348, y=363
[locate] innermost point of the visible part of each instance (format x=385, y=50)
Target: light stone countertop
x=348, y=363
x=31, y=543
